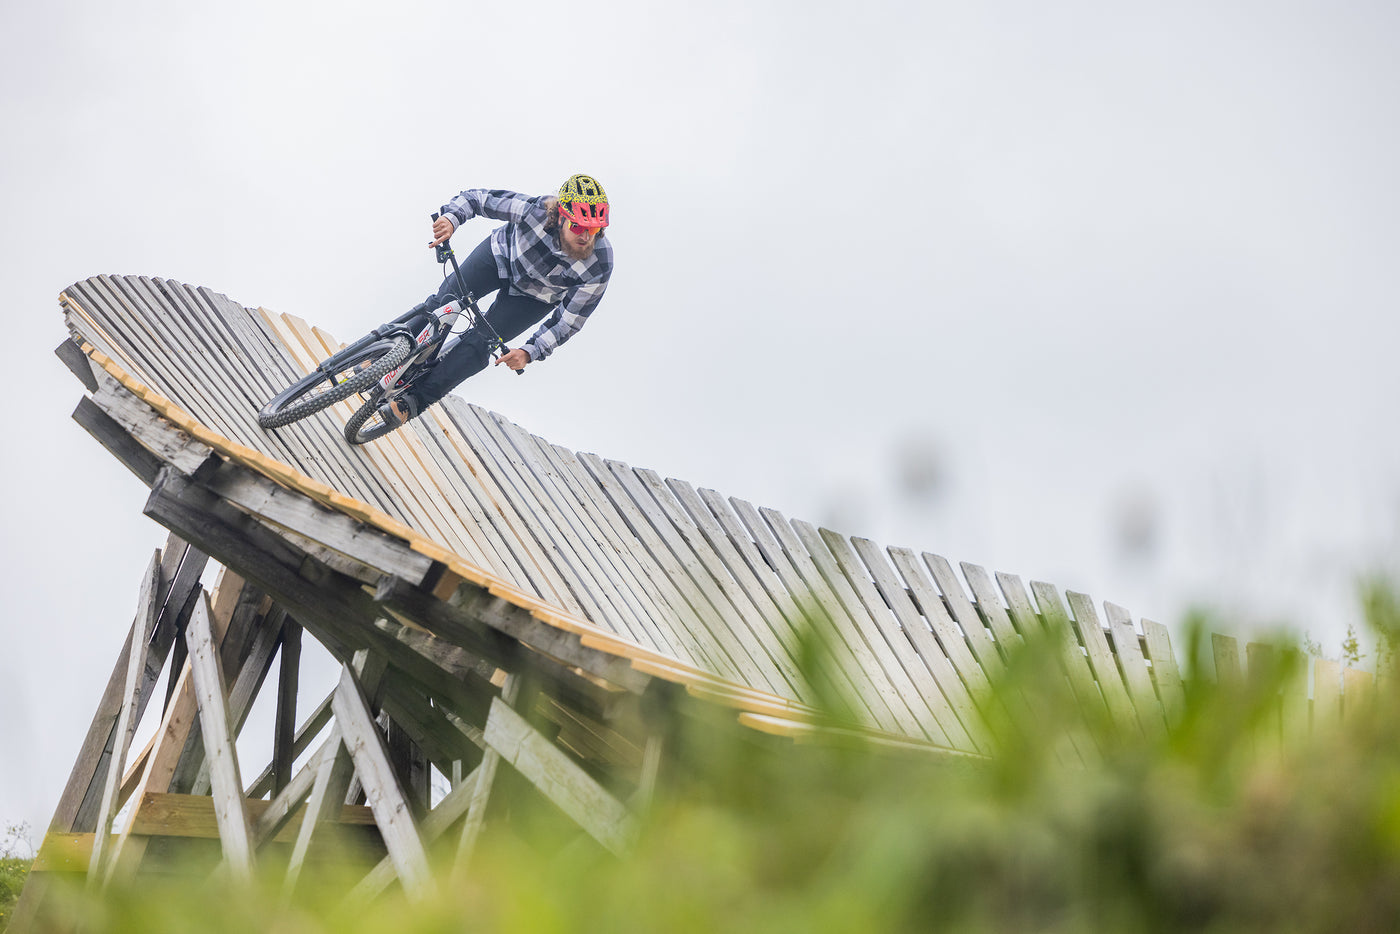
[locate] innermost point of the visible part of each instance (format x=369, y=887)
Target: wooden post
x=385, y=796
x=215, y=725
x=481, y=791
x=284, y=739
x=126, y=721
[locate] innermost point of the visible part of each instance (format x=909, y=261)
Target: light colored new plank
x=1327, y=694
x=1226, y=652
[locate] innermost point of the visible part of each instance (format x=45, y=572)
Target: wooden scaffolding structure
x=489, y=597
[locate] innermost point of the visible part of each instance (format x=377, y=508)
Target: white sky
x=1099, y=262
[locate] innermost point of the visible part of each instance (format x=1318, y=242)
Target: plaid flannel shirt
x=531, y=259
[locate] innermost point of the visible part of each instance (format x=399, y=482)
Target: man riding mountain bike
x=549, y=262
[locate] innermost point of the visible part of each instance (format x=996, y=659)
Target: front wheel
x=354, y=373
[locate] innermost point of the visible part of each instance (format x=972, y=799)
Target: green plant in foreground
x=16, y=856
x=1219, y=820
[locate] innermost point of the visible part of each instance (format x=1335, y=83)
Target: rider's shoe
x=398, y=412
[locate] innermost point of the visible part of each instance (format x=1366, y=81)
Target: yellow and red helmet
x=583, y=201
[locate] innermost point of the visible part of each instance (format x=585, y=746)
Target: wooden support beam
x=300, y=514
x=481, y=789
x=73, y=357
x=126, y=720
x=386, y=798
x=334, y=770
x=217, y=730
x=559, y=779
x=284, y=739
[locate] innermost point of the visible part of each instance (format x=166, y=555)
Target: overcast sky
x=1095, y=293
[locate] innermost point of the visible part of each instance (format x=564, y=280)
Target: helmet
x=583, y=201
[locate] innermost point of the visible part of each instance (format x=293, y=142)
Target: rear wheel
x=367, y=424
x=356, y=373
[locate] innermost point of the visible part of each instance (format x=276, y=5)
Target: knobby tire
x=302, y=398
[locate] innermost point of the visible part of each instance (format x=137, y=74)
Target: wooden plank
x=965, y=614
x=990, y=608
x=217, y=731
x=601, y=574
x=1128, y=651
x=301, y=741
x=126, y=720
x=485, y=776
x=78, y=363
x=157, y=435
x=953, y=641
x=540, y=578
x=392, y=813
x=291, y=510
x=935, y=710
x=967, y=731
x=719, y=654
x=1358, y=691
x=195, y=816
x=1057, y=622
x=1102, y=662
x=284, y=734
x=448, y=811
x=799, y=537
x=779, y=545
x=1166, y=674
x=728, y=532
x=552, y=526
x=555, y=776
x=1226, y=652
x=745, y=619
x=335, y=767
x=1327, y=694
x=1294, y=702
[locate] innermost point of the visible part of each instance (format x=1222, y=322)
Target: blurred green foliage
x=1221, y=816
x=16, y=855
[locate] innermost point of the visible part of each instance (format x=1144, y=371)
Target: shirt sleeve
x=497, y=204
x=566, y=320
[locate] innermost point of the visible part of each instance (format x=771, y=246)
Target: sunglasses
x=577, y=228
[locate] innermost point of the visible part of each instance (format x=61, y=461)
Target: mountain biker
x=549, y=262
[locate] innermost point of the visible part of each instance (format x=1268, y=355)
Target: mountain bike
x=382, y=365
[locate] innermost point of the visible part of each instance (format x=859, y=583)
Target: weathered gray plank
x=936, y=710
x=1165, y=672
x=126, y=719
x=1128, y=651
x=1102, y=662
x=556, y=776
x=385, y=796
x=230, y=809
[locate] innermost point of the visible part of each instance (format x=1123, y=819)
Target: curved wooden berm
x=491, y=597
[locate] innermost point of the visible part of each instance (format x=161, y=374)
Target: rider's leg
x=509, y=316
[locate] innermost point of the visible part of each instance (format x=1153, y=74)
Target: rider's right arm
x=482, y=202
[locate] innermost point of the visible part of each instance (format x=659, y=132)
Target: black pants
x=510, y=315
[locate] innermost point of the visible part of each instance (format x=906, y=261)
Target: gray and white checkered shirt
x=531, y=259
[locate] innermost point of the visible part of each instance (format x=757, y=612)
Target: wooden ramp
x=491, y=596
